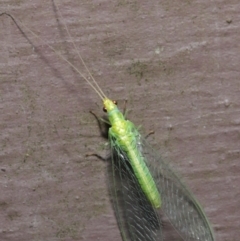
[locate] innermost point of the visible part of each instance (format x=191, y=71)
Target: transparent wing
x=137, y=219
x=178, y=203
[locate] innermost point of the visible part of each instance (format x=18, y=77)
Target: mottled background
x=177, y=64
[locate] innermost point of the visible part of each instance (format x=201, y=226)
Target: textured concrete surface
x=177, y=63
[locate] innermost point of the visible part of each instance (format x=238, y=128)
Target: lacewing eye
x=105, y=109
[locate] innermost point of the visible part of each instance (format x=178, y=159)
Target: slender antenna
x=78, y=53
x=96, y=88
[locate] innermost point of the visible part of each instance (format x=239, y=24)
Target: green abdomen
x=126, y=136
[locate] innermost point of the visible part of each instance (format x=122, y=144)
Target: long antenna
x=78, y=53
x=94, y=85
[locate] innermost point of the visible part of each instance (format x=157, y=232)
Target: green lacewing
x=144, y=187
